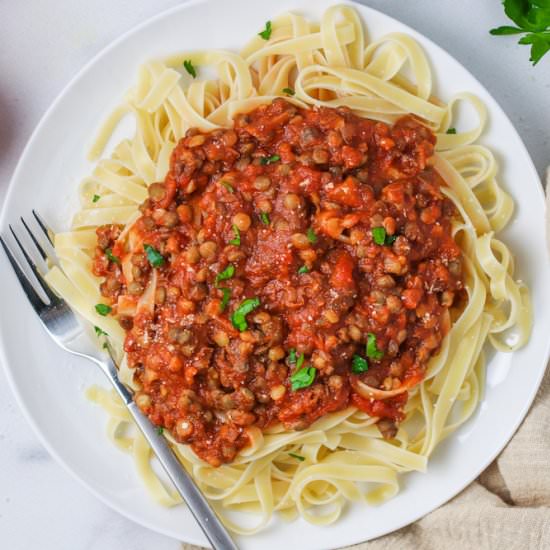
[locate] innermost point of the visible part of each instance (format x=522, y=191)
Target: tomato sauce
x=296, y=253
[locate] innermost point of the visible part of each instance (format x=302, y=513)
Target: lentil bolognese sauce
x=301, y=262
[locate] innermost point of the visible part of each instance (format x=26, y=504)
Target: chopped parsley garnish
x=303, y=378
x=264, y=216
x=288, y=91
x=292, y=356
x=111, y=257
x=99, y=332
x=303, y=269
x=160, y=430
x=270, y=160
x=227, y=273
x=228, y=186
x=297, y=456
x=451, y=131
x=103, y=309
x=359, y=365
x=156, y=259
x=266, y=33
x=95, y=198
x=239, y=316
x=380, y=237
x=226, y=292
x=190, y=68
x=372, y=349
x=311, y=236
x=237, y=240
x=300, y=361
x=105, y=346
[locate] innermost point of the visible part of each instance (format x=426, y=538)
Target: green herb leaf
x=505, y=30
x=297, y=456
x=532, y=17
x=270, y=160
x=228, y=186
x=103, y=309
x=237, y=240
x=111, y=257
x=303, y=269
x=264, y=216
x=266, y=33
x=303, y=378
x=540, y=45
x=359, y=364
x=300, y=361
x=379, y=235
x=100, y=332
x=227, y=273
x=160, y=430
x=372, y=350
x=288, y=91
x=190, y=68
x=292, y=356
x=226, y=295
x=451, y=131
x=105, y=346
x=239, y=316
x=156, y=259
x=311, y=236
x=95, y=198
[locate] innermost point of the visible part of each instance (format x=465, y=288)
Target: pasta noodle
x=331, y=63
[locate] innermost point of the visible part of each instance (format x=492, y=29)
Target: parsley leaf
x=300, y=361
x=226, y=292
x=237, y=240
x=269, y=160
x=297, y=456
x=95, y=198
x=378, y=235
x=451, y=131
x=188, y=65
x=160, y=430
x=266, y=33
x=311, y=236
x=156, y=259
x=111, y=257
x=239, y=316
x=303, y=378
x=264, y=216
x=100, y=332
x=227, y=273
x=288, y=91
x=103, y=309
x=532, y=18
x=359, y=365
x=303, y=269
x=372, y=349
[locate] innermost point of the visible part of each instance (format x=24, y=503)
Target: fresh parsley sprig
x=532, y=18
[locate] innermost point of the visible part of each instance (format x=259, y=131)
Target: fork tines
x=28, y=287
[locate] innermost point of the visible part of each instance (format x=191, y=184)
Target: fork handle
x=207, y=519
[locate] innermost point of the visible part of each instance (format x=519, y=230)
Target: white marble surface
x=42, y=45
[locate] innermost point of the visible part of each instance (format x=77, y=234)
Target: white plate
x=49, y=384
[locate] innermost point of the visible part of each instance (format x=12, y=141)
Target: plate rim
x=466, y=481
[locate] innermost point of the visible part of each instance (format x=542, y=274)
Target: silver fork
x=65, y=329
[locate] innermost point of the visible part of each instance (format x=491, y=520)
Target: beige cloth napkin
x=506, y=508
